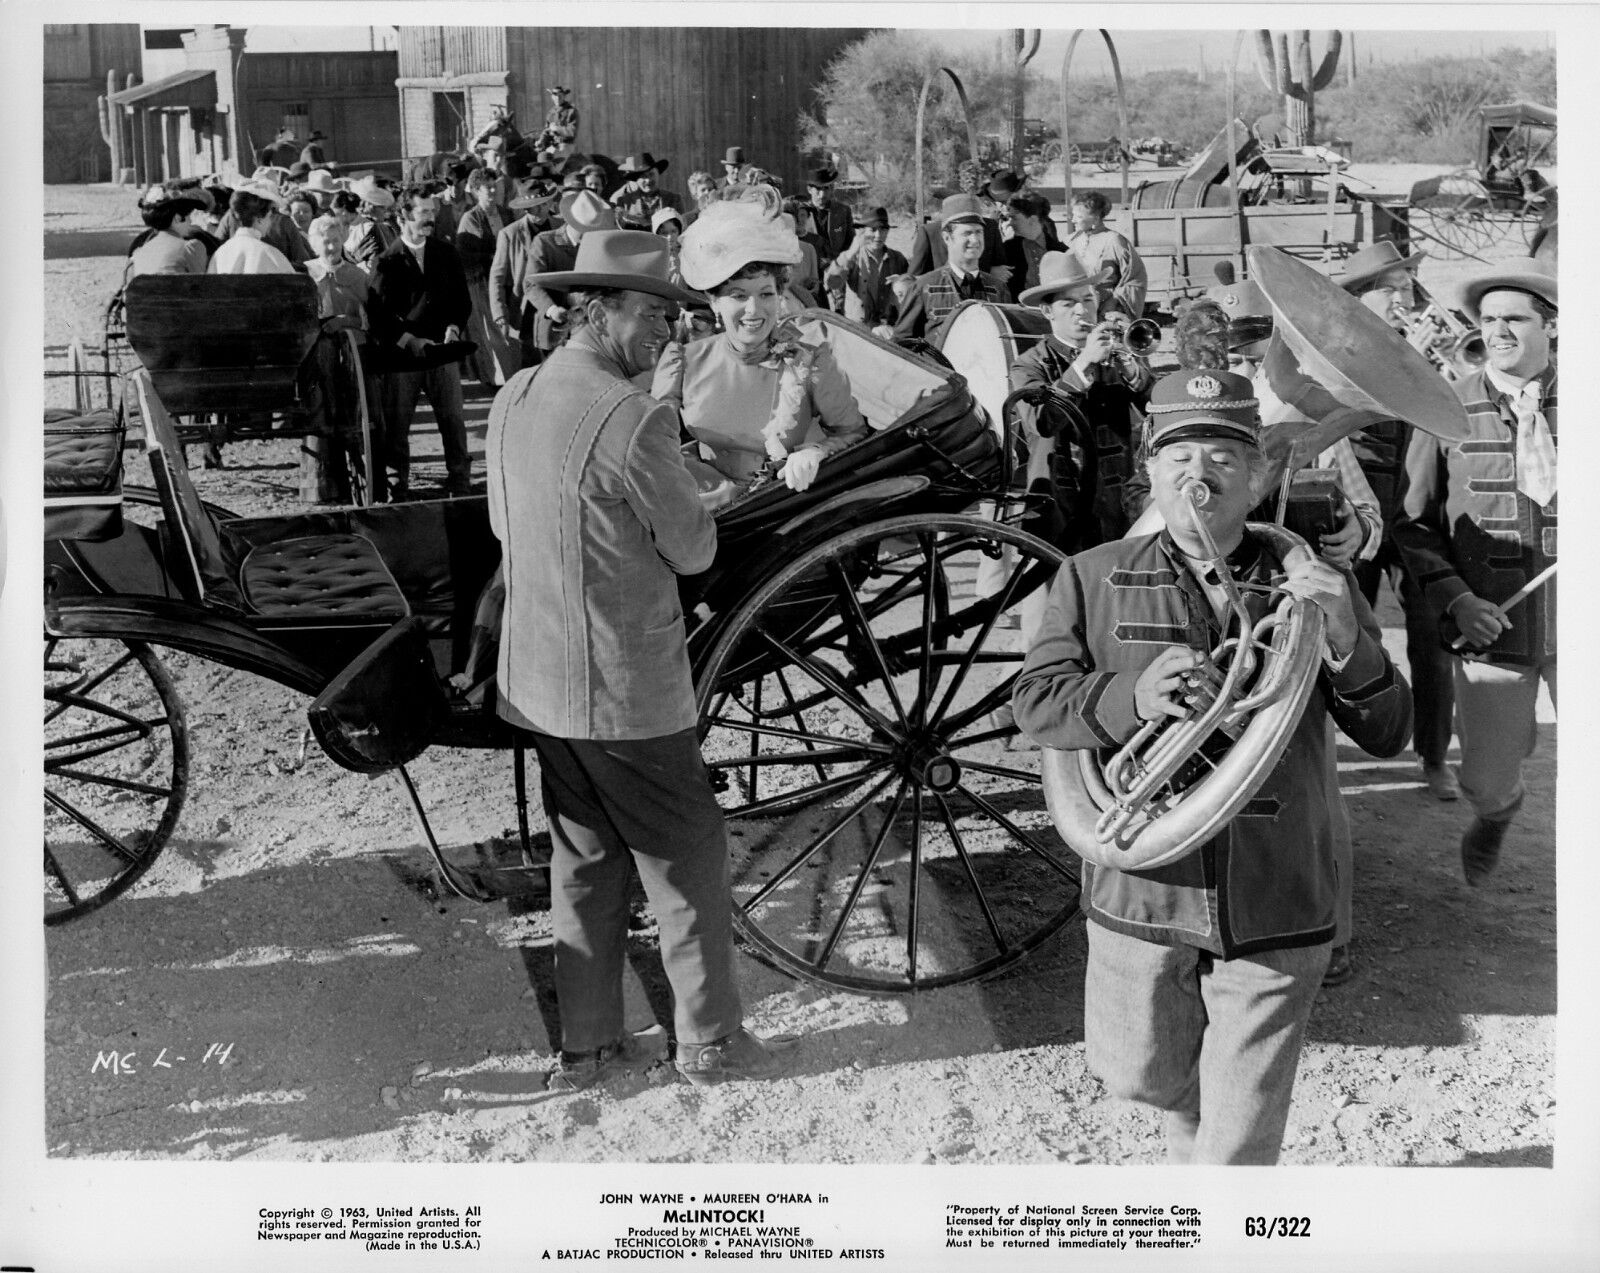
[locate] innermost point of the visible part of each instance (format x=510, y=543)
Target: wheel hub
x=931, y=766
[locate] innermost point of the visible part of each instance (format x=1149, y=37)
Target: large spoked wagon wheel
x=885, y=833
x=355, y=419
x=1459, y=224
x=116, y=770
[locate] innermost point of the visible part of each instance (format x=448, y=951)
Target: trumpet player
x=1081, y=444
x=1479, y=522
x=1202, y=973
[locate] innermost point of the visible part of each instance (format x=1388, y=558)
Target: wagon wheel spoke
x=806, y=854
x=871, y=860
x=796, y=716
x=864, y=635
x=925, y=672
x=1001, y=945
x=76, y=697
x=1004, y=600
x=999, y=771
x=778, y=731
x=105, y=837
x=1061, y=867
x=54, y=868
x=914, y=889
x=826, y=677
x=832, y=786
x=990, y=702
x=106, y=780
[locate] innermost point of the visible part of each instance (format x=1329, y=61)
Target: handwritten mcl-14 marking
x=120, y=1063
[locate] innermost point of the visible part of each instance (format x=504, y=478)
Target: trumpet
x=1139, y=337
x=1450, y=345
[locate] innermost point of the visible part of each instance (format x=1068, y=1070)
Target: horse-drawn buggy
x=1502, y=192
x=854, y=647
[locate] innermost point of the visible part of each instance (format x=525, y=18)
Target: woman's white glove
x=800, y=469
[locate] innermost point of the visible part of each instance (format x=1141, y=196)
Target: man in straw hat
x=959, y=279
x=598, y=515
x=521, y=304
x=1478, y=524
x=1202, y=973
x=1081, y=444
x=1384, y=279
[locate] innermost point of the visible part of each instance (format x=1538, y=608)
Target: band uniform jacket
x=1267, y=880
x=1086, y=470
x=420, y=301
x=1465, y=527
x=935, y=297
x=596, y=513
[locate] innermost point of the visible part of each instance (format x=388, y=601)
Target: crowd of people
x=669, y=377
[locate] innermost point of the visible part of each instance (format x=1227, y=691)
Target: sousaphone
x=1332, y=367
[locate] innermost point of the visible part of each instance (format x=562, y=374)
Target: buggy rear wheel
x=116, y=769
x=854, y=712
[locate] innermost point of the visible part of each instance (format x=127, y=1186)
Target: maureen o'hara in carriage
x=763, y=395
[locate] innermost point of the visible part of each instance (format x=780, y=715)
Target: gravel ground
x=290, y=920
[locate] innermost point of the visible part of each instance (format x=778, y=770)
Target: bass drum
x=982, y=340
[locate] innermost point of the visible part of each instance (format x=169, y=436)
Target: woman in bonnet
x=761, y=391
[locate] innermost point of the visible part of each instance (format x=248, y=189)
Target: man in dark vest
x=834, y=222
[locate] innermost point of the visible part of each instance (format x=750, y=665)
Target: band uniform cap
x=661, y=216
x=733, y=233
x=1002, y=184
x=368, y=190
x=1374, y=260
x=637, y=165
x=587, y=212
x=533, y=194
x=1193, y=403
x=822, y=176
x=1059, y=272
x=1523, y=273
x=874, y=219
x=630, y=260
x=733, y=155
x=958, y=208
x=267, y=190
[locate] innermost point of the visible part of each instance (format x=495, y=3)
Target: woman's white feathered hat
x=732, y=233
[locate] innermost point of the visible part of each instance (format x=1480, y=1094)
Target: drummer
x=1082, y=443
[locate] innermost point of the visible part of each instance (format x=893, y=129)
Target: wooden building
x=228, y=104
x=681, y=93
x=78, y=58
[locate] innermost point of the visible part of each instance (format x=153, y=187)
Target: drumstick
x=1517, y=597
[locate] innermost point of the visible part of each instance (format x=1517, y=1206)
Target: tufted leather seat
x=334, y=579
x=82, y=475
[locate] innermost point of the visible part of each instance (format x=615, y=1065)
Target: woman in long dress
x=763, y=395
x=497, y=358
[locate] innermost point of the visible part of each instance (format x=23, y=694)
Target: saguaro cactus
x=1024, y=44
x=111, y=125
x=1294, y=79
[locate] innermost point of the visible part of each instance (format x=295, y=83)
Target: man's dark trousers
x=613, y=805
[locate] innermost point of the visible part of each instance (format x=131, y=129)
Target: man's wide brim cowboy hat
x=321, y=182
x=823, y=176
x=874, y=219
x=1375, y=260
x=369, y=191
x=1003, y=184
x=1522, y=274
x=630, y=260
x=586, y=211
x=263, y=190
x=534, y=194
x=1059, y=272
x=638, y=165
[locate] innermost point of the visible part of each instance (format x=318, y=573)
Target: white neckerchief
x=1536, y=449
